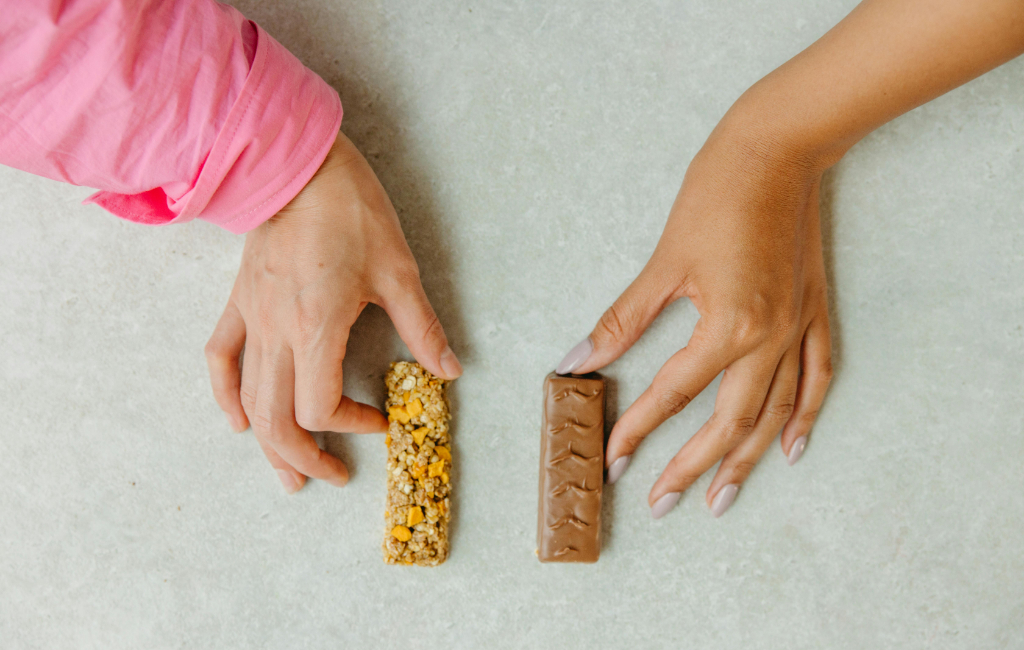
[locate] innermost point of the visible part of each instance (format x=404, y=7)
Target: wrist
x=786, y=127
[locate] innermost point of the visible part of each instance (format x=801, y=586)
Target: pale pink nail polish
x=576, y=357
x=797, y=450
x=663, y=505
x=291, y=486
x=724, y=499
x=617, y=469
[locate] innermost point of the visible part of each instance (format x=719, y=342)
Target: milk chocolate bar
x=571, y=469
x=419, y=467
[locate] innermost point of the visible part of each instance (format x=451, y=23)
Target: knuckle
x=269, y=426
x=309, y=320
x=631, y=439
x=807, y=418
x=401, y=278
x=616, y=323
x=213, y=350
x=781, y=410
x=670, y=400
x=218, y=355
x=247, y=395
x=741, y=469
x=315, y=456
x=681, y=477
x=313, y=420
x=434, y=330
x=736, y=430
x=746, y=330
x=407, y=273
x=762, y=321
x=825, y=370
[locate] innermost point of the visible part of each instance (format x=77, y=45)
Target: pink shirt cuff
x=277, y=133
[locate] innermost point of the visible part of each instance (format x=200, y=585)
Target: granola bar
x=419, y=467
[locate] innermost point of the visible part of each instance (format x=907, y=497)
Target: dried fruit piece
x=400, y=414
x=435, y=469
x=415, y=516
x=414, y=407
x=419, y=434
x=444, y=477
x=401, y=533
x=443, y=453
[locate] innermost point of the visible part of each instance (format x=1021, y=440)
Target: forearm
x=884, y=59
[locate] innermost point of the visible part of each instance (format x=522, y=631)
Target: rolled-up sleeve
x=174, y=110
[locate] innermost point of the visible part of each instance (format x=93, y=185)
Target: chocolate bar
x=419, y=467
x=571, y=469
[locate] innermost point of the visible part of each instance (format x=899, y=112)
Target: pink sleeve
x=174, y=109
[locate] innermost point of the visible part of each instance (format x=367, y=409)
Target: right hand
x=306, y=275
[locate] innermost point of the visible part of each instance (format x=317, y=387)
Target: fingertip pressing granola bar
x=419, y=467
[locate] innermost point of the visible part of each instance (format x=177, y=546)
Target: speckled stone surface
x=518, y=139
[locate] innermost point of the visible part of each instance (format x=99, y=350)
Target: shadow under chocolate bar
x=571, y=469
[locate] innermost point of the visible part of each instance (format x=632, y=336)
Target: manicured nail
x=291, y=486
x=797, y=450
x=662, y=506
x=450, y=363
x=576, y=357
x=617, y=469
x=236, y=424
x=724, y=499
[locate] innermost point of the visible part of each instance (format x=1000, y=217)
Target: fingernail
x=291, y=486
x=576, y=357
x=236, y=425
x=662, y=506
x=450, y=363
x=724, y=499
x=338, y=481
x=617, y=469
x=797, y=450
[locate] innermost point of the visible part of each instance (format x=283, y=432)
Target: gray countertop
x=532, y=150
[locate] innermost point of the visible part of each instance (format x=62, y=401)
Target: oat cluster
x=419, y=467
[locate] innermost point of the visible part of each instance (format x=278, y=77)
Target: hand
x=306, y=275
x=743, y=242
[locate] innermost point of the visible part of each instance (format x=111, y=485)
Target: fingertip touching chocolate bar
x=571, y=469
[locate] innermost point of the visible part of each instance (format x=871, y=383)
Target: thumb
x=620, y=327
x=421, y=330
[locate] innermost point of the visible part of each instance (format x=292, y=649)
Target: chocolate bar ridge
x=571, y=469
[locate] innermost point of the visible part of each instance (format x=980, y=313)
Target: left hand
x=743, y=242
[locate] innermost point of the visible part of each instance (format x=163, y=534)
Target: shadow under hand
x=827, y=217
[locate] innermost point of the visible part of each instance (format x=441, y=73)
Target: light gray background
x=533, y=150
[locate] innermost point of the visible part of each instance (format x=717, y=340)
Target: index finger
x=319, y=403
